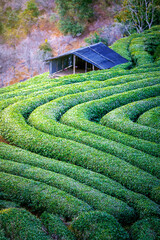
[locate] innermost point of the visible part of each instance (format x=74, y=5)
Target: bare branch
x=149, y=4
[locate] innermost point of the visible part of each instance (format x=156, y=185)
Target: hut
x=93, y=57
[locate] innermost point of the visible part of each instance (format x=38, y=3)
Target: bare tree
x=137, y=14
x=141, y=13
x=149, y=12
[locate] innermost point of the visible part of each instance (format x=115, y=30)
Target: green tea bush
x=142, y=205
x=151, y=42
x=93, y=197
x=157, y=53
x=45, y=118
x=138, y=53
x=91, y=166
x=82, y=117
x=40, y=196
x=17, y=131
x=56, y=227
x=123, y=119
x=35, y=80
x=8, y=204
x=148, y=66
x=122, y=47
x=21, y=224
x=42, y=80
x=153, y=28
x=147, y=228
x=59, y=90
x=150, y=118
x=98, y=226
x=2, y=235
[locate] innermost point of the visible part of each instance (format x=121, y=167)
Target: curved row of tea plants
x=40, y=196
x=21, y=134
x=150, y=118
x=69, y=164
x=140, y=203
x=17, y=223
x=123, y=119
x=82, y=116
x=93, y=197
x=45, y=119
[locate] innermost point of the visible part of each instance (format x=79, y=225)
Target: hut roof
x=98, y=54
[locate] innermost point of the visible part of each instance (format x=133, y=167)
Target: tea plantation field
x=83, y=159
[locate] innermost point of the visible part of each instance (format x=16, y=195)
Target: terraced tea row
x=45, y=119
x=89, y=178
x=150, y=118
x=57, y=145
x=82, y=144
x=13, y=170
x=123, y=119
x=93, y=197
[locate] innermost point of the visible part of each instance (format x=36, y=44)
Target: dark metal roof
x=98, y=54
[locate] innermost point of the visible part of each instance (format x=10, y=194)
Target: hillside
x=83, y=159
x=24, y=60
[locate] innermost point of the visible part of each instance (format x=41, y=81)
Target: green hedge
x=46, y=116
x=40, y=196
x=56, y=227
x=17, y=223
x=148, y=228
x=157, y=54
x=82, y=117
x=48, y=88
x=122, y=47
x=98, y=226
x=93, y=197
x=150, y=118
x=152, y=29
x=138, y=53
x=35, y=80
x=142, y=205
x=123, y=119
x=2, y=235
x=49, y=94
x=21, y=134
x=151, y=42
x=8, y=204
x=42, y=80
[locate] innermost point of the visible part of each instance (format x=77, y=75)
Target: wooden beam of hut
x=74, y=64
x=85, y=66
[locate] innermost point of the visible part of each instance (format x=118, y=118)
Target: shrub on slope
x=123, y=119
x=150, y=118
x=93, y=197
x=40, y=196
x=98, y=226
x=56, y=227
x=29, y=138
x=142, y=205
x=21, y=224
x=147, y=228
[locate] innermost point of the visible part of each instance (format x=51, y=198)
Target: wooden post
x=57, y=65
x=85, y=67
x=74, y=64
x=92, y=67
x=50, y=67
x=62, y=64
